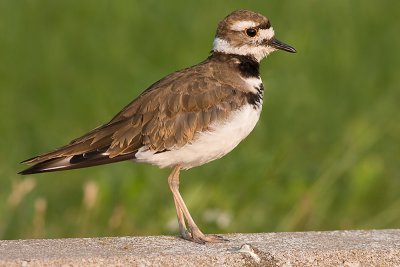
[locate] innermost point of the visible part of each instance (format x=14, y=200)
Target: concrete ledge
x=337, y=248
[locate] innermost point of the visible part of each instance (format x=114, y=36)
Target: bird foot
x=201, y=238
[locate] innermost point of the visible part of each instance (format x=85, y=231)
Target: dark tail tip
x=24, y=172
x=31, y=170
x=45, y=166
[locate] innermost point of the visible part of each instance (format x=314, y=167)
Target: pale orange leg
x=181, y=219
x=183, y=213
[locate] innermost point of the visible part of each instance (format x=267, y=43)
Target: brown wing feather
x=165, y=116
x=193, y=113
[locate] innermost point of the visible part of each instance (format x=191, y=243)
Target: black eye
x=251, y=32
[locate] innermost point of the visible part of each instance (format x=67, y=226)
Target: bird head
x=247, y=33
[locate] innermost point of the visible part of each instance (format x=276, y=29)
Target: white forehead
x=242, y=25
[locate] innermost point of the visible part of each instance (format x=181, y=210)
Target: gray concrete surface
x=336, y=248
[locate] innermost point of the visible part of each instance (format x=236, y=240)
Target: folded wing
x=166, y=116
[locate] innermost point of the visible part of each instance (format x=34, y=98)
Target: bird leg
x=183, y=214
x=174, y=183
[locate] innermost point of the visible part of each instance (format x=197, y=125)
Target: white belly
x=207, y=146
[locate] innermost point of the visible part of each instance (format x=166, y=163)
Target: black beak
x=281, y=46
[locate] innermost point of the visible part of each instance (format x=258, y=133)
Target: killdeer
x=186, y=119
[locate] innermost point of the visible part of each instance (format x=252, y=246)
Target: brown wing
x=165, y=116
x=170, y=119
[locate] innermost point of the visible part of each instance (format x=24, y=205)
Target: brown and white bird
x=186, y=119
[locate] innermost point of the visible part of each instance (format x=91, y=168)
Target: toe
x=215, y=239
x=202, y=239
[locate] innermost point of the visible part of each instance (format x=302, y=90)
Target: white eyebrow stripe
x=242, y=25
x=266, y=33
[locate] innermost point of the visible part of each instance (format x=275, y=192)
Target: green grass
x=325, y=154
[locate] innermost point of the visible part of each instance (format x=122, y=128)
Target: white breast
x=254, y=84
x=207, y=146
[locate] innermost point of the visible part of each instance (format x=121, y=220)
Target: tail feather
x=85, y=160
x=88, y=150
x=95, y=140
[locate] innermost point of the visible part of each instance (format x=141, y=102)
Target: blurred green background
x=325, y=154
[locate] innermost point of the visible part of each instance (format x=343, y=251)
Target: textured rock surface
x=337, y=248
